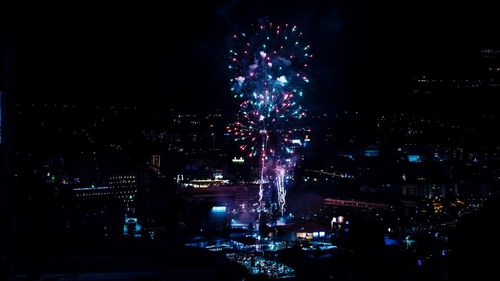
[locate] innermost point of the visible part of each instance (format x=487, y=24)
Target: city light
x=376, y=160
x=238, y=160
x=218, y=209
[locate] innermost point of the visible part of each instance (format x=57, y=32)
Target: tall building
x=124, y=185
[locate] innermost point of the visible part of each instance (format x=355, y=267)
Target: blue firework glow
x=268, y=69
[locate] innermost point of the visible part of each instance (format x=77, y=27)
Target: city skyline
x=250, y=140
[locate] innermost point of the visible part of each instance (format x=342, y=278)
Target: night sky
x=365, y=51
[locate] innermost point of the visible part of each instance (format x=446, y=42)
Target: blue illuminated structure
x=372, y=151
x=218, y=209
x=390, y=241
x=414, y=158
x=249, y=252
x=132, y=228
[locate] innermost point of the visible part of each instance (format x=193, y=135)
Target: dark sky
x=364, y=50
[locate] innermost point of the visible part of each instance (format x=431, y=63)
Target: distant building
x=491, y=59
x=234, y=197
x=155, y=162
x=132, y=228
x=122, y=187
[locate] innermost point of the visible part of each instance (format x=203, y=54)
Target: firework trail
x=268, y=72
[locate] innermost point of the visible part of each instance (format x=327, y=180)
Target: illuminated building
x=205, y=183
x=121, y=187
x=307, y=230
x=131, y=228
x=125, y=186
x=238, y=160
x=218, y=218
x=218, y=209
x=234, y=197
x=356, y=204
x=414, y=158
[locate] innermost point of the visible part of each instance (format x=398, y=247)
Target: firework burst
x=268, y=70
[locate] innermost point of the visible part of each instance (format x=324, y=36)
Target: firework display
x=268, y=69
